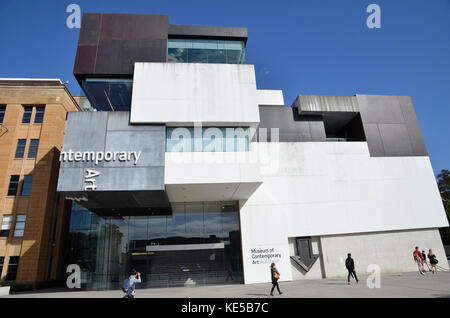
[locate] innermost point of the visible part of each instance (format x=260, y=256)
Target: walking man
x=350, y=265
x=130, y=284
x=418, y=258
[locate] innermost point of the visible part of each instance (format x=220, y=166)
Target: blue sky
x=299, y=46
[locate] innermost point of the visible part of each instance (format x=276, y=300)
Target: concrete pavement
x=403, y=285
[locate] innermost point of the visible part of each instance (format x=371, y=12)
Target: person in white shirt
x=135, y=277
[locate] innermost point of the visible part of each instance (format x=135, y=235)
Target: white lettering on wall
x=98, y=156
x=90, y=183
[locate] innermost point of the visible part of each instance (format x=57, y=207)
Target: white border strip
x=183, y=247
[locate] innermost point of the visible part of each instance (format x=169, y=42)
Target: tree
x=444, y=189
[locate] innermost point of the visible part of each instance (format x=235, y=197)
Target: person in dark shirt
x=433, y=261
x=425, y=260
x=350, y=265
x=275, y=275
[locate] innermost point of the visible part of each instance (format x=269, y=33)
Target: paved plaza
x=392, y=285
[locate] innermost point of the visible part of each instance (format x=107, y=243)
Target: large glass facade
x=198, y=244
x=206, y=51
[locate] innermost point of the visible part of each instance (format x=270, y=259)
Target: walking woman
x=433, y=261
x=275, y=277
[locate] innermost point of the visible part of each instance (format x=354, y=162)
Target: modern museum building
x=177, y=165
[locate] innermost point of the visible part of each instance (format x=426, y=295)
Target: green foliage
x=444, y=189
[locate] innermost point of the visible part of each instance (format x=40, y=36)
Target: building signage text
x=98, y=156
x=264, y=256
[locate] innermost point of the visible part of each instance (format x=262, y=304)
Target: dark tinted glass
x=27, y=111
x=13, y=185
x=32, y=150
x=217, y=56
x=206, y=51
x=2, y=113
x=26, y=188
x=108, y=94
x=12, y=268
x=2, y=261
x=20, y=150
x=197, y=56
x=177, y=55
x=39, y=115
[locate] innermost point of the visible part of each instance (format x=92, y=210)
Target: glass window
x=33, y=148
x=217, y=56
x=2, y=113
x=13, y=185
x=208, y=139
x=27, y=111
x=13, y=265
x=206, y=51
x=6, y=225
x=20, y=150
x=199, y=243
x=177, y=55
x=108, y=94
x=39, y=118
x=2, y=261
x=197, y=56
x=26, y=188
x=20, y=225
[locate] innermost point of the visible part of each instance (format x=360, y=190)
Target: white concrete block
x=186, y=93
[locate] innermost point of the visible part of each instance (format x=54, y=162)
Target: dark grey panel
x=85, y=59
x=118, y=56
x=90, y=29
x=194, y=31
x=317, y=130
x=396, y=121
x=395, y=139
x=412, y=125
x=134, y=27
x=118, y=181
x=292, y=127
x=110, y=44
x=375, y=144
x=310, y=104
x=378, y=109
